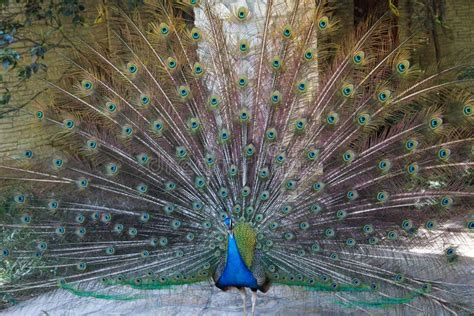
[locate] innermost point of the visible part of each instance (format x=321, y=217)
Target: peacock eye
x=341, y=214
x=407, y=224
x=196, y=34
x=368, y=228
x=308, y=55
x=430, y=224
x=58, y=163
x=26, y=219
x=446, y=201
x=242, y=82
x=245, y=191
x=290, y=184
x=412, y=168
x=392, y=235
x=81, y=231
x=358, y=57
x=398, y=278
x=249, y=150
x=347, y=90
x=132, y=231
x=275, y=97
x=118, y=228
x=132, y=68
x=355, y=282
x=91, y=144
x=323, y=23
x=127, y=131
x=42, y=246
x=351, y=242
x=435, y=123
x=276, y=63
x=271, y=134
x=87, y=84
x=470, y=225
x=233, y=170
x=142, y=188
x=383, y=96
x=28, y=154
x=111, y=107
x=348, y=156
x=60, y=230
x=69, y=124
x=411, y=144
x=402, y=66
x=145, y=100
x=81, y=266
x=467, y=110
x=332, y=118
x=382, y=196
x=329, y=232
x=164, y=29
x=197, y=205
x=287, y=31
x=242, y=13
x=20, y=198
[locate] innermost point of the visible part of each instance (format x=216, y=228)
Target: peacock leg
x=254, y=302
x=243, y=293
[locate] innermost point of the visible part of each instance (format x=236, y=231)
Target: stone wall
x=20, y=130
x=455, y=34
x=459, y=18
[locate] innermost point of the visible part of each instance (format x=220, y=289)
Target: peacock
x=251, y=148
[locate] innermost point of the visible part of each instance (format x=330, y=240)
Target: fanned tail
x=352, y=165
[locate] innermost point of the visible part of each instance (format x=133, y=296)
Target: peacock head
x=229, y=223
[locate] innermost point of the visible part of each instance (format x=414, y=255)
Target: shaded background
x=447, y=25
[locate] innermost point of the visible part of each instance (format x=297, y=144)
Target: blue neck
x=236, y=273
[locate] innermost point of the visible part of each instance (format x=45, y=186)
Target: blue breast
x=236, y=273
